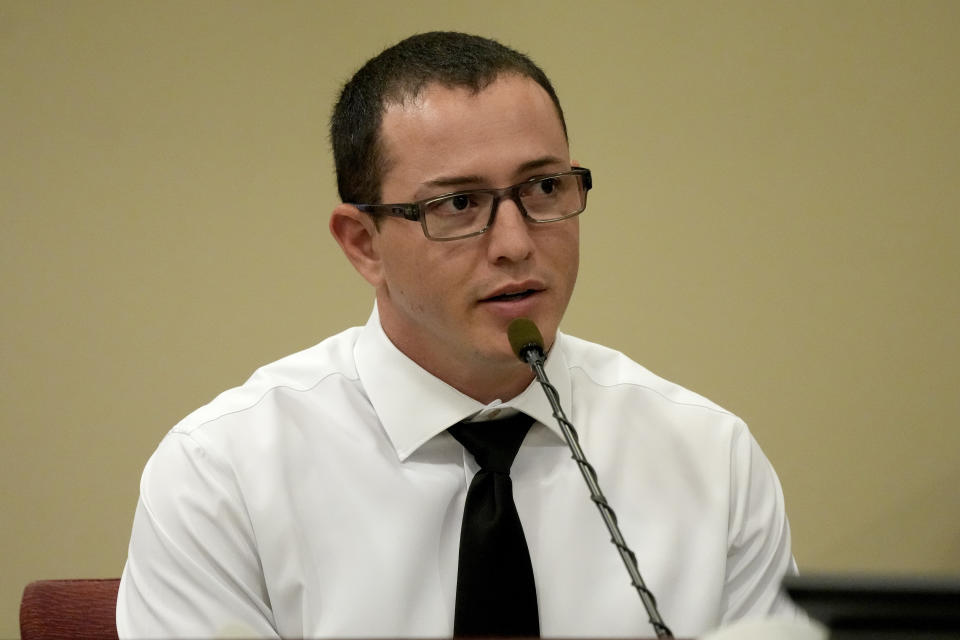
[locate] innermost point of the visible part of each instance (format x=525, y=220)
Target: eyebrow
x=460, y=181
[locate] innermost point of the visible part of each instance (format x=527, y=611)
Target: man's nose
x=510, y=237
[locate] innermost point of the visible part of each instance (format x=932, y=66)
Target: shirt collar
x=414, y=405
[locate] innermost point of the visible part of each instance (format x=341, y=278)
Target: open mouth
x=508, y=297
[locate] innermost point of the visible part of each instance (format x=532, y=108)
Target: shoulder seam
x=707, y=406
x=266, y=392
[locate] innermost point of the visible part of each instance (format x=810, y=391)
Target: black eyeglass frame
x=414, y=210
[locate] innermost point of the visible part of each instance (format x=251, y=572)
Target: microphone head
x=524, y=336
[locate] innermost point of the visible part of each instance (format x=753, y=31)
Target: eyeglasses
x=469, y=213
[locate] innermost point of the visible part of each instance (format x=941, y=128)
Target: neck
x=484, y=381
x=483, y=377
x=498, y=384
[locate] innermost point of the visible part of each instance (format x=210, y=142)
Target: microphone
x=527, y=344
x=525, y=340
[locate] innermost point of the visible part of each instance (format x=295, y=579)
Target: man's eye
x=454, y=205
x=460, y=203
x=549, y=185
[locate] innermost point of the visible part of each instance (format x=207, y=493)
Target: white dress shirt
x=323, y=498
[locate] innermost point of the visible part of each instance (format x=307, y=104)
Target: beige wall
x=775, y=224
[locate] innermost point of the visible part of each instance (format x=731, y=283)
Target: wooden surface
x=69, y=609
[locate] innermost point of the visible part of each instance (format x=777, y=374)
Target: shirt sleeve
x=192, y=568
x=758, y=542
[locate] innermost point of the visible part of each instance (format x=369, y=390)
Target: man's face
x=440, y=302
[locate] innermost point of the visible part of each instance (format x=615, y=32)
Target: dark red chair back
x=69, y=609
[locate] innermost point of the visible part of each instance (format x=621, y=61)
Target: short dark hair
x=402, y=72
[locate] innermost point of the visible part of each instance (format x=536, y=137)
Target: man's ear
x=355, y=232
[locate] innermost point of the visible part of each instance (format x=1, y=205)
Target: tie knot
x=493, y=443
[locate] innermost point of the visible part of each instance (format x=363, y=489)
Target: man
x=325, y=497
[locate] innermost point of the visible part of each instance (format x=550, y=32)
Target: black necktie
x=496, y=594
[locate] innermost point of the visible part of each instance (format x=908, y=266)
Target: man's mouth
x=507, y=297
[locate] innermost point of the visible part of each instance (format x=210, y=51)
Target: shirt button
x=494, y=413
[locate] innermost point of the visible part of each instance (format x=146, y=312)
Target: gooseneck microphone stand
x=527, y=343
